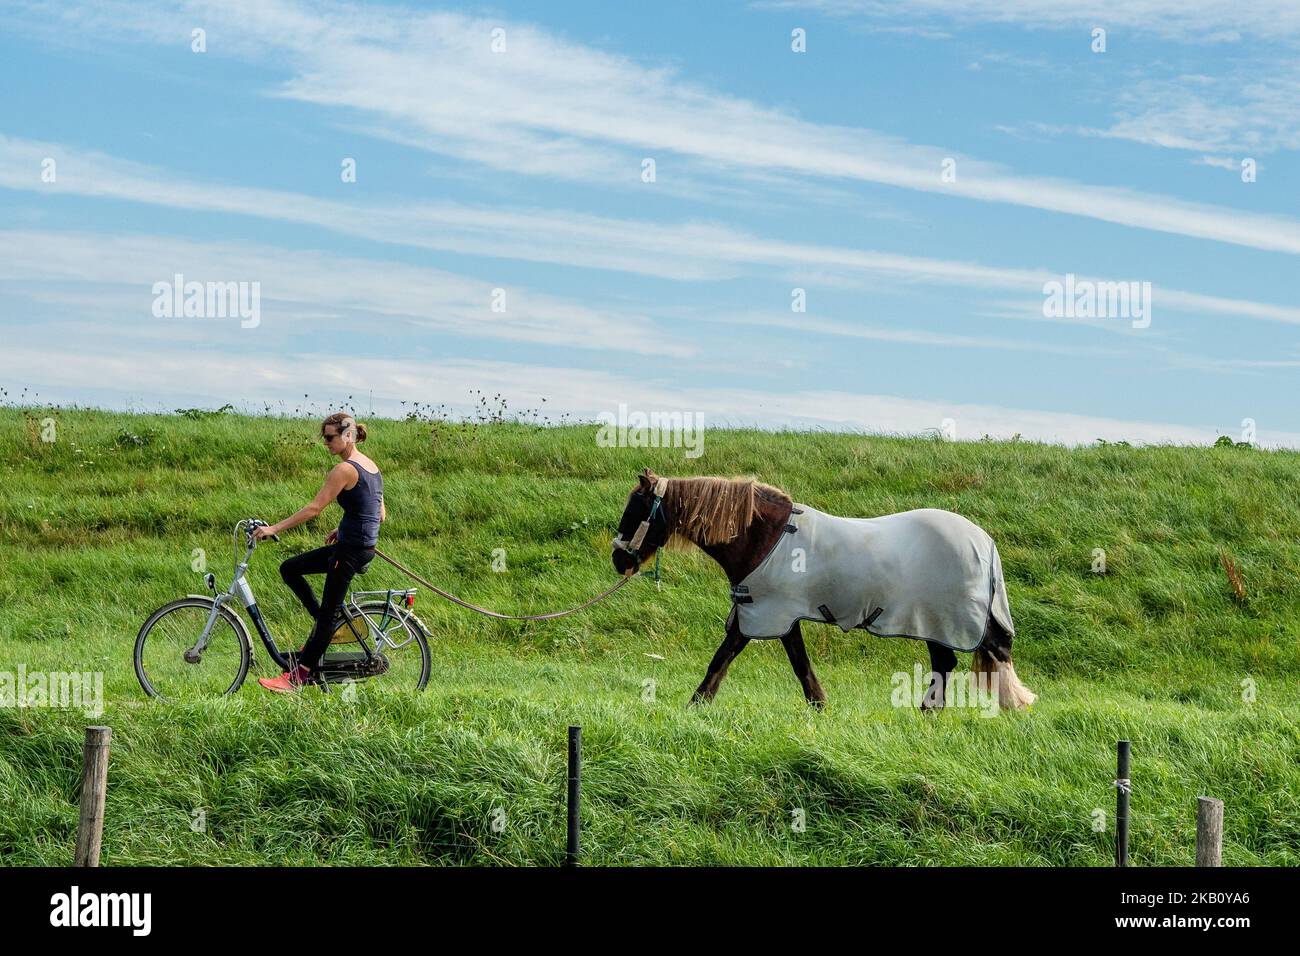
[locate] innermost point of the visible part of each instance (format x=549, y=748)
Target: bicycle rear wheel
x=405, y=650
x=165, y=661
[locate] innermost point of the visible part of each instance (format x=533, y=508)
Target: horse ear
x=646, y=479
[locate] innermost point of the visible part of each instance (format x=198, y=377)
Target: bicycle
x=190, y=647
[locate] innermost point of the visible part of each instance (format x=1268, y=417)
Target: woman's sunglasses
x=329, y=438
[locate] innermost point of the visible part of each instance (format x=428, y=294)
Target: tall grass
x=1195, y=665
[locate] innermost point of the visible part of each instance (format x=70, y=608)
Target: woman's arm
x=335, y=482
x=383, y=512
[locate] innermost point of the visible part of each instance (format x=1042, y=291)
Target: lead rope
x=512, y=617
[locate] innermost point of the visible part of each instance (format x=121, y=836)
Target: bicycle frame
x=399, y=613
x=240, y=590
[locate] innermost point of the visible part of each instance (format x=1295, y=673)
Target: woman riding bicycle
x=359, y=487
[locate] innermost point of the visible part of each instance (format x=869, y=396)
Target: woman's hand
x=332, y=536
x=265, y=531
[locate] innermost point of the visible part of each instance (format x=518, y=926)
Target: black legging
x=338, y=562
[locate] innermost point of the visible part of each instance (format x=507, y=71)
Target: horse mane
x=713, y=510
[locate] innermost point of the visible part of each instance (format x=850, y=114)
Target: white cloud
x=691, y=251
x=1251, y=110
x=202, y=378
x=419, y=297
x=1192, y=21
x=1219, y=162
x=912, y=336
x=1247, y=107
x=549, y=106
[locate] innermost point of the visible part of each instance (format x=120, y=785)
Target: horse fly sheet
x=928, y=574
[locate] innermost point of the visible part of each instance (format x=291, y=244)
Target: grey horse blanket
x=930, y=575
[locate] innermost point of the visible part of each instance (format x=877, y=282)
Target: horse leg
x=993, y=657
x=798, y=654
x=942, y=662
x=731, y=645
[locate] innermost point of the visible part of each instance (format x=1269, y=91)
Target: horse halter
x=634, y=546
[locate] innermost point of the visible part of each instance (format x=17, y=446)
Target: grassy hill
x=99, y=527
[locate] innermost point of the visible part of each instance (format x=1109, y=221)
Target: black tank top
x=361, y=504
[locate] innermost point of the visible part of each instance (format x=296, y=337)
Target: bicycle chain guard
x=337, y=668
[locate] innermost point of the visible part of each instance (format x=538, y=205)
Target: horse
x=849, y=565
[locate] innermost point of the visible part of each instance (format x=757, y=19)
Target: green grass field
x=99, y=527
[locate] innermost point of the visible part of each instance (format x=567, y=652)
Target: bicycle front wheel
x=170, y=664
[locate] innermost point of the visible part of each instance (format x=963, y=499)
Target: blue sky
x=521, y=170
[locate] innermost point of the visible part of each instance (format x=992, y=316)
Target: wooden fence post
x=1209, y=831
x=94, y=781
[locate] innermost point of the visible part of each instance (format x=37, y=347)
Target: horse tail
x=993, y=657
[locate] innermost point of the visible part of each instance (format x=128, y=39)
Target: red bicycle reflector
x=410, y=600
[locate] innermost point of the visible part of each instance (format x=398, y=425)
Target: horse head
x=645, y=524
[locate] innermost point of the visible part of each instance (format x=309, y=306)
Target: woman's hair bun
x=343, y=421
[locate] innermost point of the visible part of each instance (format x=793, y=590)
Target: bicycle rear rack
x=397, y=612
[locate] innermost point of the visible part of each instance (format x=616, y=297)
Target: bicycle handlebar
x=254, y=523
x=251, y=543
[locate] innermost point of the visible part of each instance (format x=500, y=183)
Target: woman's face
x=333, y=438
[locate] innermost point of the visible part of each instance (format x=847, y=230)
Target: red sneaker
x=290, y=682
